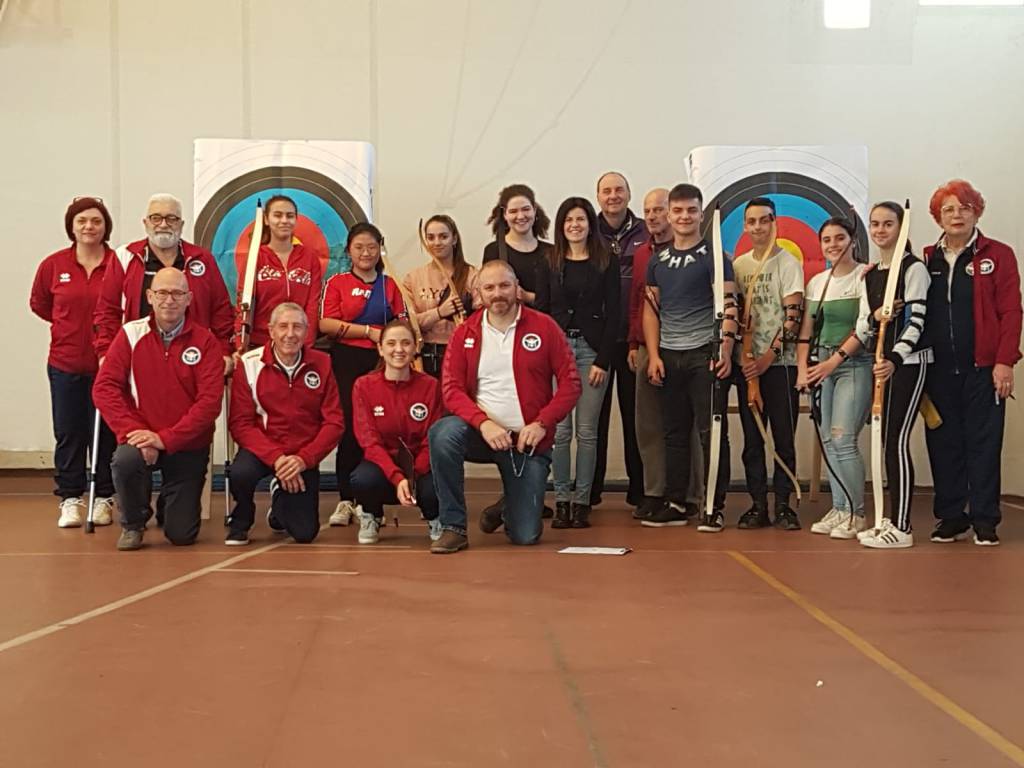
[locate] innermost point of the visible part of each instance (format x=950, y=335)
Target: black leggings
x=903, y=395
x=349, y=363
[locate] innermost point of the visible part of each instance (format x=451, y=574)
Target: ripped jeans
x=845, y=403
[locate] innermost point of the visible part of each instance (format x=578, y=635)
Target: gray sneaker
x=129, y=540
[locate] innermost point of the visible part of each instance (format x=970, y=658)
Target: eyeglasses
x=949, y=210
x=163, y=295
x=156, y=219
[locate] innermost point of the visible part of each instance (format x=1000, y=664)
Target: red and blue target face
x=326, y=213
x=802, y=205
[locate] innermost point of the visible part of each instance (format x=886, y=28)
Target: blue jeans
x=845, y=402
x=587, y=414
x=523, y=477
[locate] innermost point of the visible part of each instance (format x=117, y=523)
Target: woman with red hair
x=974, y=327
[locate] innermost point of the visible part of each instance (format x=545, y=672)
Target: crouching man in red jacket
x=497, y=383
x=286, y=417
x=159, y=389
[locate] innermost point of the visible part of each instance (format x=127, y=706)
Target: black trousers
x=73, y=420
x=183, y=475
x=373, y=490
x=686, y=399
x=349, y=363
x=625, y=389
x=781, y=406
x=965, y=452
x=299, y=513
x=902, y=397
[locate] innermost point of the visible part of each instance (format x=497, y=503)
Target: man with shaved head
x=497, y=383
x=159, y=389
x=622, y=232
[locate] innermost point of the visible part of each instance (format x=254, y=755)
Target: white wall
x=461, y=97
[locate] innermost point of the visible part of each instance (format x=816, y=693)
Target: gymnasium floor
x=693, y=650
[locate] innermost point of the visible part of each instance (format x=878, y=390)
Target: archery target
x=802, y=205
x=326, y=213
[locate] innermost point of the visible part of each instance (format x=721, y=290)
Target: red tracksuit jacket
x=175, y=392
x=345, y=298
x=541, y=353
x=64, y=296
x=274, y=286
x=272, y=416
x=641, y=256
x=386, y=412
x=121, y=295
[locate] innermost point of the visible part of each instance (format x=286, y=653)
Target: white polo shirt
x=496, y=393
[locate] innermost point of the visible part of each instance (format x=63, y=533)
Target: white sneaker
x=434, y=528
x=71, y=513
x=369, y=528
x=831, y=519
x=849, y=528
x=888, y=537
x=870, y=532
x=102, y=510
x=343, y=513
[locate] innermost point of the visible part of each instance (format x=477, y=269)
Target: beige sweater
x=425, y=286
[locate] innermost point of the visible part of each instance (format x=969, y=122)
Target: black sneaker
x=649, y=505
x=713, y=523
x=786, y=519
x=562, y=515
x=755, y=517
x=948, y=531
x=985, y=536
x=273, y=523
x=667, y=514
x=236, y=539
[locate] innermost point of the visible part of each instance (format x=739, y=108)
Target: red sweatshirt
x=274, y=416
x=175, y=392
x=386, y=412
x=641, y=256
x=64, y=296
x=541, y=353
x=345, y=298
x=997, y=308
x=273, y=286
x=121, y=295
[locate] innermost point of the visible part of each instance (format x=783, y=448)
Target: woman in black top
x=584, y=295
x=524, y=223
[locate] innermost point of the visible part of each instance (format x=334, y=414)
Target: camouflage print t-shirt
x=781, y=276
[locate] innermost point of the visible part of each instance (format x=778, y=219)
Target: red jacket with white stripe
x=175, y=392
x=544, y=355
x=641, y=256
x=345, y=297
x=121, y=295
x=387, y=413
x=65, y=296
x=274, y=285
x=274, y=416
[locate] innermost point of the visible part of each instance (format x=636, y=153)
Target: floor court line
x=287, y=571
x=987, y=733
x=136, y=597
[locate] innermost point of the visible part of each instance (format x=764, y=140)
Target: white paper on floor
x=595, y=551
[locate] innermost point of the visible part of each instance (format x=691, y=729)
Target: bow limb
x=770, y=444
x=417, y=363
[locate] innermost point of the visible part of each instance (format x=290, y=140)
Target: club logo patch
x=65, y=277
x=469, y=343
x=191, y=356
x=378, y=410
x=987, y=267
x=196, y=268
x=418, y=411
x=312, y=379
x=531, y=342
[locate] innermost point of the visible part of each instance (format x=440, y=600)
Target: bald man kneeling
x=159, y=389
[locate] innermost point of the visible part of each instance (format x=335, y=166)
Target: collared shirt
x=154, y=265
x=951, y=256
x=168, y=336
x=496, y=392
